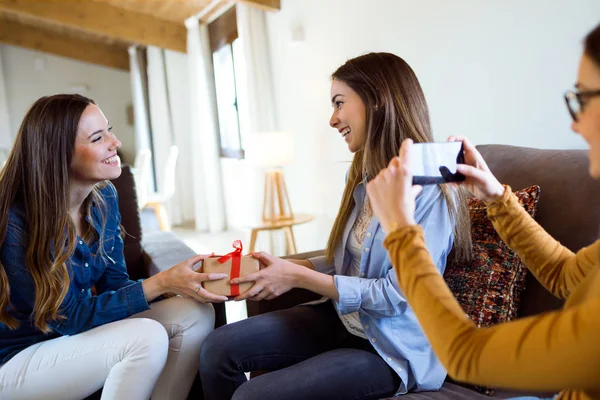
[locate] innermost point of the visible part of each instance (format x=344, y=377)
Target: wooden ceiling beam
x=103, y=19
x=61, y=44
x=267, y=5
x=216, y=8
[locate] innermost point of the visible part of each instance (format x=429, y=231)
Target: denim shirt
x=117, y=296
x=388, y=321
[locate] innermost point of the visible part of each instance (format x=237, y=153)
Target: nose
x=116, y=143
x=334, y=120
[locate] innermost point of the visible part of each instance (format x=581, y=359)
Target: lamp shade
x=270, y=149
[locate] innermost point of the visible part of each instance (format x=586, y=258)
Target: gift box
x=233, y=264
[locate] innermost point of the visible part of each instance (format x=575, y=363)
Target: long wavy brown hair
x=395, y=110
x=36, y=176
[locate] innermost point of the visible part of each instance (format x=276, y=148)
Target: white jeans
x=154, y=353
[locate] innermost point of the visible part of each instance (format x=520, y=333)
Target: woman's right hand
x=183, y=280
x=479, y=179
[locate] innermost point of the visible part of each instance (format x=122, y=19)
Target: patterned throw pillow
x=489, y=287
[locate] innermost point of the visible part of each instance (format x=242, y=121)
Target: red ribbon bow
x=236, y=264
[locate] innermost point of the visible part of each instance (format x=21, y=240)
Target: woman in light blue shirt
x=362, y=341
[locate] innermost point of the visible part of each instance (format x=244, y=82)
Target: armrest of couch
x=290, y=299
x=162, y=250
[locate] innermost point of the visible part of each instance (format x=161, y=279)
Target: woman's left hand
x=275, y=277
x=392, y=194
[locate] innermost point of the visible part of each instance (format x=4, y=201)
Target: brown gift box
x=222, y=287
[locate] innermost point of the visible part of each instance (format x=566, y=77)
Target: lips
x=344, y=132
x=111, y=160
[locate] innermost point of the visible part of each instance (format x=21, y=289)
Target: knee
x=252, y=390
x=202, y=314
x=194, y=317
x=217, y=349
x=190, y=312
x=151, y=339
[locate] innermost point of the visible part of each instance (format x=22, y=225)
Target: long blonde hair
x=395, y=110
x=36, y=176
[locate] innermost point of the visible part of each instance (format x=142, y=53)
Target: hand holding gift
x=276, y=276
x=234, y=265
x=183, y=280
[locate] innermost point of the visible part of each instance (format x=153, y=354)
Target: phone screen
x=435, y=163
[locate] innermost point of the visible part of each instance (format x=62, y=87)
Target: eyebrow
x=92, y=134
x=100, y=131
x=335, y=97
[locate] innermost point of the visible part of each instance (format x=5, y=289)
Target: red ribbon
x=236, y=264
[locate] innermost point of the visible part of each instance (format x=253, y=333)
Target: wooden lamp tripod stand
x=276, y=203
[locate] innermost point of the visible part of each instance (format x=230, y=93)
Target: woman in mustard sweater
x=553, y=351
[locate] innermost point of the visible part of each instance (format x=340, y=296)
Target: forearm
x=317, y=282
x=555, y=266
x=304, y=263
x=154, y=287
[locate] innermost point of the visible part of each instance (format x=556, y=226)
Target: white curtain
x=169, y=111
x=176, y=67
x=6, y=137
x=138, y=73
x=257, y=109
x=206, y=170
x=139, y=93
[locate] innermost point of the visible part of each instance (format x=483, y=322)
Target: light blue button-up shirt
x=388, y=321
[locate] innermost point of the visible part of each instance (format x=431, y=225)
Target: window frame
x=223, y=32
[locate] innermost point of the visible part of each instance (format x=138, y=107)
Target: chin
x=117, y=174
x=114, y=174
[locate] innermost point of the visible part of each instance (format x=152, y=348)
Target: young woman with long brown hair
x=362, y=341
x=59, y=237
x=554, y=351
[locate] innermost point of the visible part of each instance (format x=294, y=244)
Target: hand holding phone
x=435, y=163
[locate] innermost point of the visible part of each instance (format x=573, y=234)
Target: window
x=225, y=50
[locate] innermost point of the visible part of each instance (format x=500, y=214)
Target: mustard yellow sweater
x=549, y=352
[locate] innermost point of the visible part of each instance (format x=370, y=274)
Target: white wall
x=30, y=75
x=492, y=70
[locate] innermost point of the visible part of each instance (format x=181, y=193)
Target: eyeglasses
x=576, y=101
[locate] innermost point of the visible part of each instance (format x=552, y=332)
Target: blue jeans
x=307, y=348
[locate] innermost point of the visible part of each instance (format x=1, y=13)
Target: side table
x=286, y=226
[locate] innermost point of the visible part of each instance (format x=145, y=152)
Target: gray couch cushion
x=163, y=249
x=449, y=391
x=452, y=391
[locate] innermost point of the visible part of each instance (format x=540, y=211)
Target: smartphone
x=435, y=163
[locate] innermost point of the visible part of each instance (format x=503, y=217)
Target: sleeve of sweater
x=554, y=266
x=551, y=351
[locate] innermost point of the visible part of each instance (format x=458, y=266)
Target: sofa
x=567, y=209
x=146, y=254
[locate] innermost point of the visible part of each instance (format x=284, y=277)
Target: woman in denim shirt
x=362, y=341
x=59, y=238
